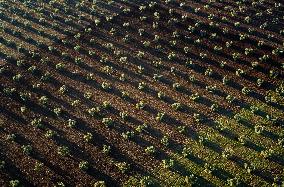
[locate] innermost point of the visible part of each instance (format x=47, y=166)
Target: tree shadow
x=254, y=146
x=12, y=116
x=278, y=159
x=14, y=172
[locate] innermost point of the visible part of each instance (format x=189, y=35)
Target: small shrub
x=141, y=128
x=246, y=90
x=227, y=153
x=146, y=181
x=128, y=135
x=240, y=72
x=43, y=100
x=267, y=153
x=165, y=141
x=201, y=140
x=2, y=164
x=243, y=140
x=60, y=66
x=75, y=103
x=25, y=96
x=260, y=82
x=122, y=77
x=63, y=151
x=161, y=95
x=123, y=115
x=249, y=167
x=124, y=94
x=88, y=95
x=186, y=152
x=150, y=150
x=168, y=163
x=233, y=182
x=214, y=107
x=157, y=77
x=209, y=72
x=160, y=116
x=230, y=98
x=94, y=111
x=197, y=117
x=11, y=137
x=38, y=166
x=62, y=89
x=106, y=149
x=142, y=86
x=90, y=77
x=140, y=105
x=208, y=168
x=140, y=70
x=99, y=184
x=259, y=129
x=17, y=77
x=106, y=105
x=176, y=86
x=27, y=149
x=37, y=122
x=181, y=129
x=106, y=86
x=211, y=89
x=71, y=123
x=176, y=106
x=60, y=184
x=57, y=111
x=225, y=80
x=123, y=166
x=108, y=122
x=84, y=165
x=14, y=183
x=50, y=134
x=88, y=137
x=195, y=97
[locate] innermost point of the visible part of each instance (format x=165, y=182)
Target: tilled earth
x=184, y=77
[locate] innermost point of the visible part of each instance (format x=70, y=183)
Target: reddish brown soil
x=57, y=168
